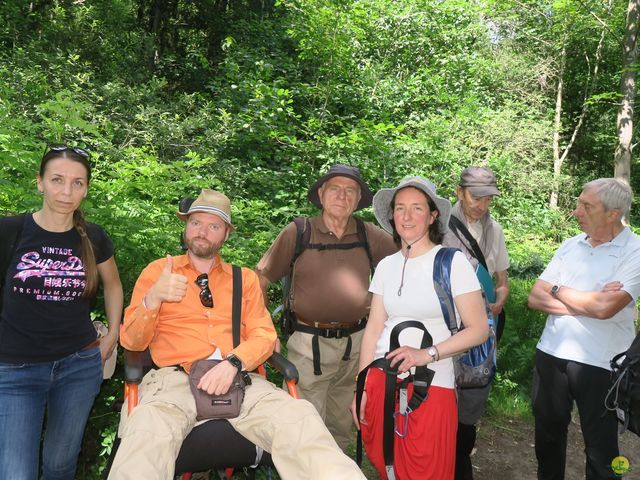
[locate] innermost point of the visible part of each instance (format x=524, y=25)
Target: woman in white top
x=403, y=291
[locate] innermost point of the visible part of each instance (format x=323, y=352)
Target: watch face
x=235, y=361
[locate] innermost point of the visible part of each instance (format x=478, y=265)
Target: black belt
x=329, y=333
x=332, y=332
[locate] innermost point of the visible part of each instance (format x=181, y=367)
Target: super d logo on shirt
x=54, y=274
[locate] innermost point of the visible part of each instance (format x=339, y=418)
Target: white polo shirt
x=578, y=265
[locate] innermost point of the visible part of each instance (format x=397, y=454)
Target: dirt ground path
x=504, y=451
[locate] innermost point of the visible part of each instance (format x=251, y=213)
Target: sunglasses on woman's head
x=63, y=148
x=206, y=298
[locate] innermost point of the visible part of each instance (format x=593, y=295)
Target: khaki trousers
x=332, y=392
x=300, y=445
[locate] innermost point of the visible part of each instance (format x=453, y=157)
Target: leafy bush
x=511, y=390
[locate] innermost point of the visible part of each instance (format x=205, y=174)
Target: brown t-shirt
x=328, y=286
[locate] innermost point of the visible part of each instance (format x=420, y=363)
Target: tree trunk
x=557, y=124
x=622, y=157
x=559, y=158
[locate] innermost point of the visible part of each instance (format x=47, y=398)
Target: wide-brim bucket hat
x=382, y=202
x=210, y=201
x=366, y=196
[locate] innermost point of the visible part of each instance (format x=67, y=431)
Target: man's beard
x=200, y=250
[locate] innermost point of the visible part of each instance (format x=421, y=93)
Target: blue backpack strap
x=442, y=285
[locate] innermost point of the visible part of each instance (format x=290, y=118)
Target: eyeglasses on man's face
x=205, y=294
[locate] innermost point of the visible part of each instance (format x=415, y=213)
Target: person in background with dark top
x=481, y=239
x=328, y=296
x=50, y=358
x=403, y=290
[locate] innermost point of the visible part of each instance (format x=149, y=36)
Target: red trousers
x=428, y=451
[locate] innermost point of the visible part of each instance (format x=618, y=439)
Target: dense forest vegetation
x=257, y=97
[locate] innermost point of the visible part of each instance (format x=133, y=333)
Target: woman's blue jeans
x=66, y=389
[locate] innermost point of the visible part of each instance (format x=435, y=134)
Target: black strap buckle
x=333, y=333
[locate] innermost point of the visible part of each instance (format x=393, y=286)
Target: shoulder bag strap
x=236, y=306
x=458, y=227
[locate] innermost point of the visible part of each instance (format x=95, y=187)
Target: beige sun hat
x=210, y=201
x=382, y=202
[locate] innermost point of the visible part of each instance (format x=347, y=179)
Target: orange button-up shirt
x=182, y=332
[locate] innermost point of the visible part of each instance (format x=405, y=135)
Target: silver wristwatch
x=433, y=353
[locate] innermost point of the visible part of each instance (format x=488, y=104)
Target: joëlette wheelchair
x=212, y=445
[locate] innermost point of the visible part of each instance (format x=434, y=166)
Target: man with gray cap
x=472, y=230
x=329, y=259
x=181, y=310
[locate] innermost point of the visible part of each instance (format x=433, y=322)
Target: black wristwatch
x=235, y=361
x=554, y=290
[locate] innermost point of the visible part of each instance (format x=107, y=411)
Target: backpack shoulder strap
x=442, y=285
x=236, y=306
x=459, y=228
x=362, y=236
x=303, y=236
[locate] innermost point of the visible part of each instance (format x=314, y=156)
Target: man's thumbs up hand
x=168, y=267
x=170, y=287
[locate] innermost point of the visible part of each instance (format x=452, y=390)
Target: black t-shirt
x=44, y=316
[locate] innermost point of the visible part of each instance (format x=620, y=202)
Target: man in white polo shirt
x=589, y=290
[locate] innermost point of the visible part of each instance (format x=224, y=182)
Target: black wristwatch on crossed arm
x=554, y=290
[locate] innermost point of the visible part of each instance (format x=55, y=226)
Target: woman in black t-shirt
x=50, y=359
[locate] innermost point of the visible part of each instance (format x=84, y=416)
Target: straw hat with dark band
x=210, y=201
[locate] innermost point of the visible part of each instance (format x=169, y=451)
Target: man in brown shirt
x=329, y=292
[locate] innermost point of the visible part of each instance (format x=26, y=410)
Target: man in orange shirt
x=181, y=310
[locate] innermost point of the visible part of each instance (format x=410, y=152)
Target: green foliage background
x=257, y=97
